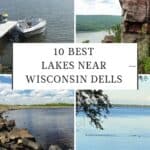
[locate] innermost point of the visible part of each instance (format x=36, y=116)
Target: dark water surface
x=58, y=13
x=49, y=126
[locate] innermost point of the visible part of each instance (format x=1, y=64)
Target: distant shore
x=130, y=105
x=4, y=108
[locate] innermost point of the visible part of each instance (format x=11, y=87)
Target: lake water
x=93, y=37
x=124, y=129
x=58, y=13
x=49, y=126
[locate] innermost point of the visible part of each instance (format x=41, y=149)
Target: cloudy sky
x=140, y=97
x=100, y=7
x=7, y=96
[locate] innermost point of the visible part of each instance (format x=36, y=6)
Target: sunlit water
x=124, y=129
x=48, y=126
x=93, y=37
x=59, y=15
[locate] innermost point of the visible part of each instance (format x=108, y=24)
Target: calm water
x=124, y=129
x=49, y=126
x=94, y=37
x=58, y=13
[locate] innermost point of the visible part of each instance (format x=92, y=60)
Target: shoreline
x=131, y=106
x=5, y=108
x=92, y=37
x=23, y=136
x=92, y=31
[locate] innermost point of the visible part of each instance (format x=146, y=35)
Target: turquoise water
x=93, y=37
x=124, y=129
x=48, y=126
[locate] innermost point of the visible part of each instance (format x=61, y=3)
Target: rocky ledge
x=16, y=139
x=135, y=25
x=12, y=138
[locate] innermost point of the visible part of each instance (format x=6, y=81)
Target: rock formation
x=136, y=25
x=108, y=39
x=12, y=138
x=54, y=147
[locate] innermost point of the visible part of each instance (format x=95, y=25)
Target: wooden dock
x=6, y=27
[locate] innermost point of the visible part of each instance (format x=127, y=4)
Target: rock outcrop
x=136, y=25
x=136, y=10
x=12, y=138
x=108, y=39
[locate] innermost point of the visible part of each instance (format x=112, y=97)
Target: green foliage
x=116, y=31
x=96, y=22
x=141, y=69
x=94, y=103
x=144, y=66
x=54, y=104
x=39, y=105
x=86, y=41
x=147, y=65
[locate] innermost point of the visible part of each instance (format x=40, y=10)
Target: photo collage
x=68, y=119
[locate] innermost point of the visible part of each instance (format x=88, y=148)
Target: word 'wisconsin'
x=71, y=65
x=73, y=79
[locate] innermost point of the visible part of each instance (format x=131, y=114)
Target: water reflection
x=49, y=126
x=126, y=128
x=58, y=14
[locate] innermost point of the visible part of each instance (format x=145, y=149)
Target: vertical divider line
x=74, y=21
x=74, y=119
x=137, y=69
x=74, y=89
x=12, y=68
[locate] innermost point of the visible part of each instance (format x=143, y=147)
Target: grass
x=35, y=106
x=129, y=105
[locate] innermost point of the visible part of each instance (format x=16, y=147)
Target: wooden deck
x=6, y=27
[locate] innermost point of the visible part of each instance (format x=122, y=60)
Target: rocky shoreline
x=12, y=138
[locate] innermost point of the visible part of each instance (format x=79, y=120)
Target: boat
x=3, y=17
x=31, y=27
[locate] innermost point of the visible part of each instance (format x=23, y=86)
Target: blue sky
x=140, y=97
x=100, y=7
x=8, y=96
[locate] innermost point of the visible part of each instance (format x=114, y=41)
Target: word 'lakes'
x=71, y=65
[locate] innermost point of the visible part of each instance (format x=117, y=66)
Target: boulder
x=20, y=133
x=108, y=39
x=4, y=124
x=54, y=147
x=31, y=144
x=14, y=139
x=4, y=137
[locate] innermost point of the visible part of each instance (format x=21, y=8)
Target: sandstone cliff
x=136, y=25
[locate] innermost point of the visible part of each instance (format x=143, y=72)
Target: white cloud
x=140, y=97
x=8, y=96
x=99, y=7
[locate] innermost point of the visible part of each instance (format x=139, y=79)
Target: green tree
x=116, y=31
x=147, y=65
x=94, y=103
x=86, y=41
